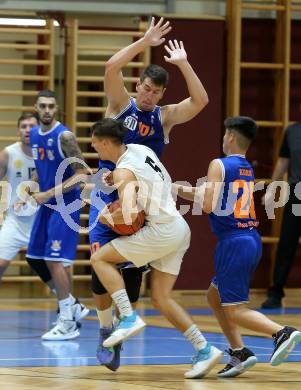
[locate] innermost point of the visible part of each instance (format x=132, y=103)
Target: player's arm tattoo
x=70, y=148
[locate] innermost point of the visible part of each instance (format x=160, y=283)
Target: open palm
x=176, y=52
x=155, y=34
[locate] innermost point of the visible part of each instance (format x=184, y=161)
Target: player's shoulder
x=34, y=130
x=62, y=128
x=138, y=149
x=15, y=147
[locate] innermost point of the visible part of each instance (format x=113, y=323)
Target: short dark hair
x=47, y=93
x=27, y=115
x=244, y=125
x=109, y=128
x=157, y=74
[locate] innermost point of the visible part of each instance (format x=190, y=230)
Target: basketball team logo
x=130, y=123
x=17, y=164
x=50, y=154
x=56, y=245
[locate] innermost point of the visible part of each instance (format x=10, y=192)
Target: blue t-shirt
x=235, y=207
x=48, y=155
x=144, y=128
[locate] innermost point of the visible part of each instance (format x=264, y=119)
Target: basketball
x=123, y=229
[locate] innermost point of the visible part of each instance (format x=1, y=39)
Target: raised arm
x=114, y=87
x=187, y=109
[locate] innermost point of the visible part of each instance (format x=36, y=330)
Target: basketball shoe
x=240, y=361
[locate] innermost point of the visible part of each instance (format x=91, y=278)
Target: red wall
x=194, y=144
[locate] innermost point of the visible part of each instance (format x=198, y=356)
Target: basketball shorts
x=51, y=238
x=161, y=245
x=14, y=235
x=98, y=232
x=236, y=258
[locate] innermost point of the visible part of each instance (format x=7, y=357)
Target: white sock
x=237, y=349
x=73, y=300
x=105, y=317
x=122, y=301
x=194, y=335
x=65, y=309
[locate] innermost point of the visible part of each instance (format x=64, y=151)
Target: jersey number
x=41, y=153
x=30, y=172
x=155, y=167
x=244, y=206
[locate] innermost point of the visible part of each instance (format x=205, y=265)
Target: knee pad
x=132, y=279
x=96, y=285
x=40, y=267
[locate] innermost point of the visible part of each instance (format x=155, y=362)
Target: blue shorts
x=100, y=234
x=51, y=238
x=236, y=258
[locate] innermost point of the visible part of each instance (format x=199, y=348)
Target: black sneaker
x=240, y=361
x=285, y=341
x=272, y=302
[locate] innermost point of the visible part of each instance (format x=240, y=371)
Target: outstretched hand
x=176, y=52
x=155, y=33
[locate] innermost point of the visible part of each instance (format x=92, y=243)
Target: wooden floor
x=151, y=377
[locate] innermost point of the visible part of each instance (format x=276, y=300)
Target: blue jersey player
x=148, y=124
x=228, y=198
x=54, y=235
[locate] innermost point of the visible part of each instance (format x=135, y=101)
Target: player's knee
x=213, y=298
x=232, y=312
x=96, y=258
x=41, y=268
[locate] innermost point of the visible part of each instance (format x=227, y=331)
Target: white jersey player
x=17, y=164
x=142, y=180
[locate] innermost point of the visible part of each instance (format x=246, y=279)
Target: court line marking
x=122, y=357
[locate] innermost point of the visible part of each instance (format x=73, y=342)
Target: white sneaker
x=63, y=330
x=204, y=361
x=128, y=326
x=79, y=311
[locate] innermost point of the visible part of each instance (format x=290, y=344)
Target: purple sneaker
x=115, y=363
x=108, y=357
x=104, y=355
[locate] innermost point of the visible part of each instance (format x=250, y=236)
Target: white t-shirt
x=154, y=194
x=20, y=168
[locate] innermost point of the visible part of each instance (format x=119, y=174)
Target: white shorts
x=14, y=235
x=161, y=245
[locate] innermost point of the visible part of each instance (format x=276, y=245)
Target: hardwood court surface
x=151, y=376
